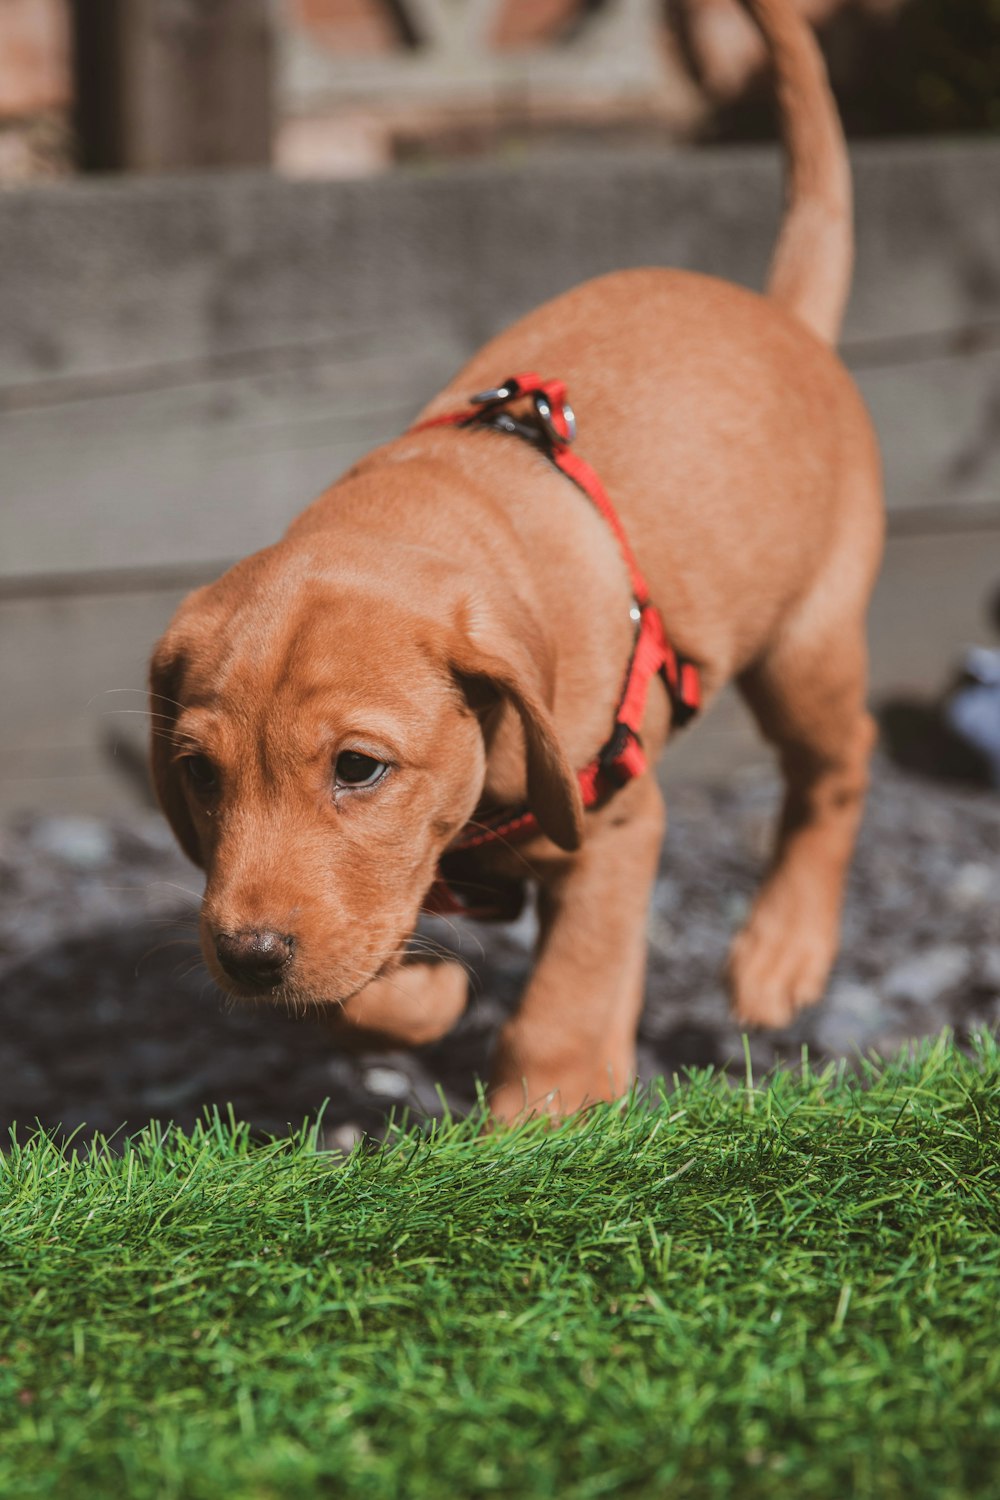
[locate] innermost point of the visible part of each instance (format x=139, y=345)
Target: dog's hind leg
x=808, y=696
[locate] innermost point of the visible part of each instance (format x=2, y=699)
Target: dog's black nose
x=256, y=957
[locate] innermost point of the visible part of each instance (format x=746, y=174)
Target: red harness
x=621, y=757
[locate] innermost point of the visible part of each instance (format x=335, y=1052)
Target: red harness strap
x=622, y=756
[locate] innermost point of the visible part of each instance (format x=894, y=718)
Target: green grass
x=791, y=1290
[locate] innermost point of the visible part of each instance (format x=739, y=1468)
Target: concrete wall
x=185, y=362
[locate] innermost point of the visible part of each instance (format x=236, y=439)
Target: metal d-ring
x=495, y=394
x=545, y=415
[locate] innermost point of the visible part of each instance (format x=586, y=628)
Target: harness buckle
x=555, y=415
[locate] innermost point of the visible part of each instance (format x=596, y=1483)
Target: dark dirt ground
x=108, y=1019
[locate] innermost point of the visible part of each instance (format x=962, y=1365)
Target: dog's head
x=320, y=735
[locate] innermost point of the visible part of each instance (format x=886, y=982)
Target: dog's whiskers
x=172, y=885
x=144, y=692
x=193, y=965
x=460, y=933
x=419, y=946
x=175, y=942
x=146, y=713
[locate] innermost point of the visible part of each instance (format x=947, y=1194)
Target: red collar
x=621, y=757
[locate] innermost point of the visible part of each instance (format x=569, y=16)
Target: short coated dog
x=445, y=632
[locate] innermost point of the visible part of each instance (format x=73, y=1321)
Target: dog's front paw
x=414, y=1005
x=529, y=1078
x=779, y=963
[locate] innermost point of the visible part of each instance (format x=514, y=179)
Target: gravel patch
x=108, y=1018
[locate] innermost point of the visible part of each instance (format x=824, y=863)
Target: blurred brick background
x=35, y=88
x=354, y=85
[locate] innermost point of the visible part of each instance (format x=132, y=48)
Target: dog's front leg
x=572, y=1041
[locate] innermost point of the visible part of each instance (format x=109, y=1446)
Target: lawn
x=788, y=1289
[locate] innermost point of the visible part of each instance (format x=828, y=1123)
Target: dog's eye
x=355, y=769
x=201, y=774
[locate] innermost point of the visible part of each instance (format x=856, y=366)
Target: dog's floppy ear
x=166, y=672
x=517, y=663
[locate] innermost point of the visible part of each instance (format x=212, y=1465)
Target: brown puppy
x=446, y=631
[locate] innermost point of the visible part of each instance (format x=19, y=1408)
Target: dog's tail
x=811, y=267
